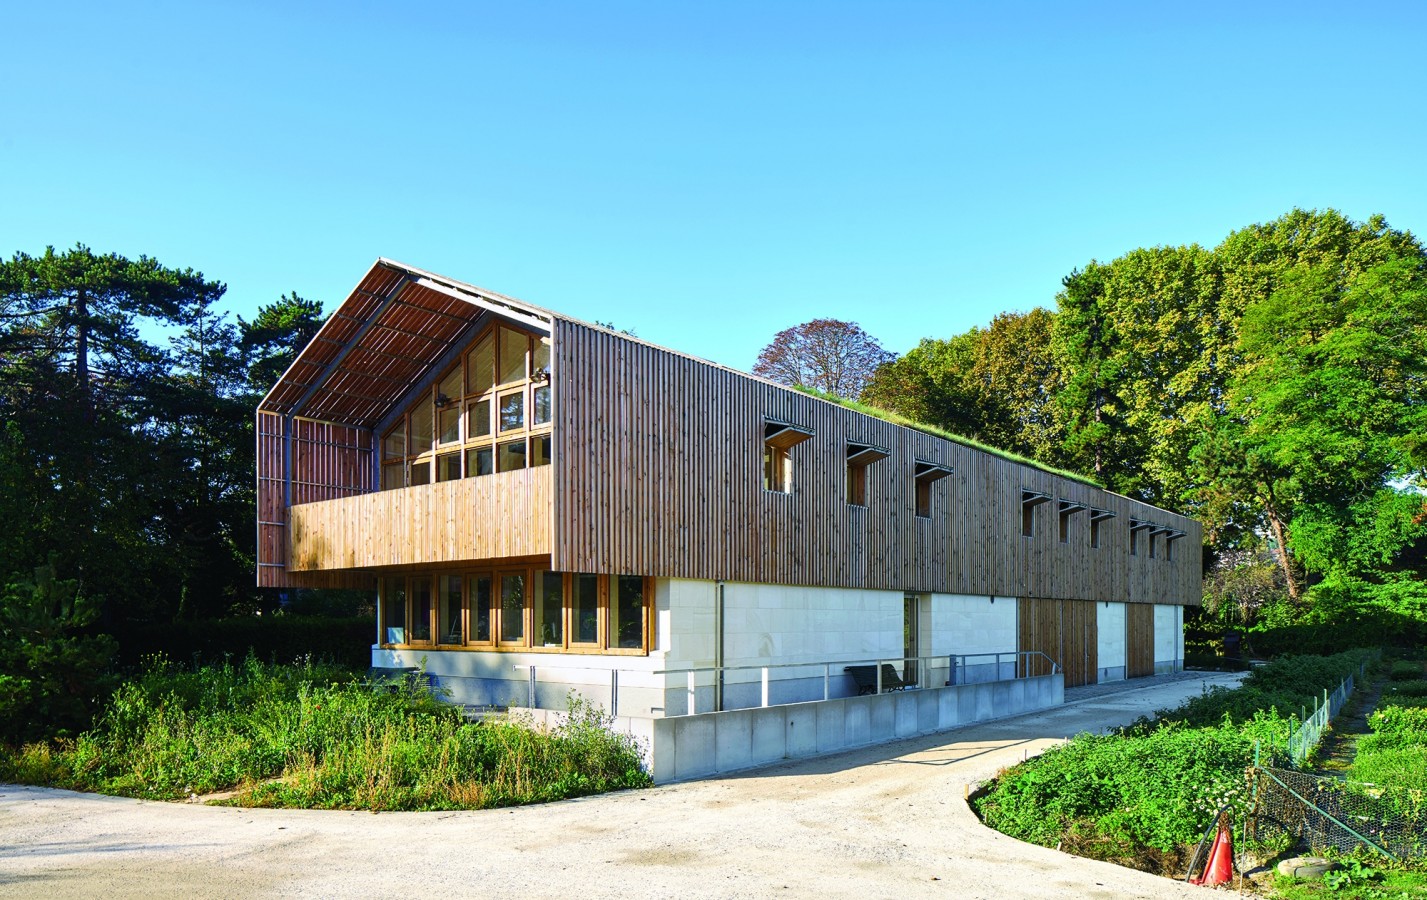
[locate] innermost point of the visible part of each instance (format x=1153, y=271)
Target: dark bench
x=865, y=678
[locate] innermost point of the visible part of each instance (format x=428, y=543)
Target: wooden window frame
x=470, y=578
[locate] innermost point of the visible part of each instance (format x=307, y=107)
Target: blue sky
x=706, y=174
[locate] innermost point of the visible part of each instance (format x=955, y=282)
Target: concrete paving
x=878, y=822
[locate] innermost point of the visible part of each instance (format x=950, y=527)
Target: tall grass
x=318, y=736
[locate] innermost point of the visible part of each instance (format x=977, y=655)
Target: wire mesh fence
x=1299, y=809
x=1302, y=741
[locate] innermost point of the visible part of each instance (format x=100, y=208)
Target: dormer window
x=778, y=439
x=927, y=474
x=859, y=457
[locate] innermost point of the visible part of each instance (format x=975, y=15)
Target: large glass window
x=549, y=609
x=480, y=365
x=514, y=345
x=500, y=388
x=512, y=608
x=394, y=610
x=421, y=610
x=626, y=612
x=481, y=609
x=584, y=609
x=451, y=618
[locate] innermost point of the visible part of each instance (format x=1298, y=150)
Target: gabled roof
x=396, y=324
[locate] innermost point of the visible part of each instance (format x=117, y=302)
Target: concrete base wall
x=685, y=747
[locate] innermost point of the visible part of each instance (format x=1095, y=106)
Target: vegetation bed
x=1143, y=796
x=318, y=736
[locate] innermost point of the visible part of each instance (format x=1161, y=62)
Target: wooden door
x=1139, y=640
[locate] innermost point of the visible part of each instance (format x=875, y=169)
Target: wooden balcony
x=507, y=514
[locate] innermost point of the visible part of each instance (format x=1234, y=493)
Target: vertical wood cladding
x=327, y=461
x=1064, y=630
x=1139, y=640
x=658, y=471
x=500, y=516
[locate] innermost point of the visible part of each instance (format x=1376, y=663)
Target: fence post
x=532, y=687
x=878, y=666
x=765, y=685
x=614, y=692
x=827, y=678
x=693, y=703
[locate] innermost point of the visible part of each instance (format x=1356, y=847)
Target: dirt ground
x=880, y=822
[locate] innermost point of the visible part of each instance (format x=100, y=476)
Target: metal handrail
x=954, y=662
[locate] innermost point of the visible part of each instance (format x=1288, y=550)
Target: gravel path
x=879, y=822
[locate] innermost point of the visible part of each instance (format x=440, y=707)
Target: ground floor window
x=524, y=608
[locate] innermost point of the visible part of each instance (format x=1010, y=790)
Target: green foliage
x=317, y=736
x=51, y=670
x=997, y=385
x=1159, y=781
x=1405, y=670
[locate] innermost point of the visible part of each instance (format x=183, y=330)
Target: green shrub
x=1157, y=783
x=1415, y=688
x=1405, y=670
x=318, y=736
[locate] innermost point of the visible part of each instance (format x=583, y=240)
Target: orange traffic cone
x=1220, y=867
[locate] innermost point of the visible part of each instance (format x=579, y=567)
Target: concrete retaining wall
x=685, y=747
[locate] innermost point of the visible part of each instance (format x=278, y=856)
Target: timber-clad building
x=525, y=489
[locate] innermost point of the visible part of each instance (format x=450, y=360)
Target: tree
x=276, y=335
x=997, y=385
x=90, y=406
x=1328, y=409
x=826, y=354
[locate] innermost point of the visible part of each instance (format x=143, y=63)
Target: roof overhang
x=397, y=323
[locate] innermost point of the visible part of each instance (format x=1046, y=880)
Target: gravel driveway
x=879, y=822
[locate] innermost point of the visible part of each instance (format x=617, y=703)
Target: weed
x=317, y=736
